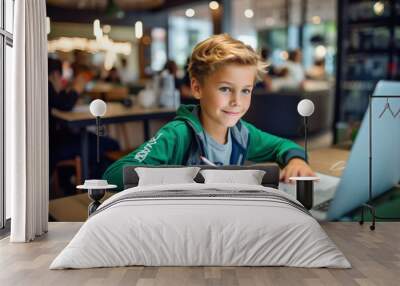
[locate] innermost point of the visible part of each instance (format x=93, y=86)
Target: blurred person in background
x=125, y=73
x=295, y=71
x=266, y=81
x=65, y=143
x=172, y=68
x=317, y=70
x=61, y=96
x=181, y=84
x=186, y=93
x=275, y=78
x=113, y=76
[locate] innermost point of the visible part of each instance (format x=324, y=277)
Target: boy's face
x=225, y=95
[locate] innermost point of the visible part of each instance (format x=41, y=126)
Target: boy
x=222, y=72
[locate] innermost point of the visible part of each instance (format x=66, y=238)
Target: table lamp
x=96, y=191
x=305, y=108
x=98, y=108
x=305, y=185
x=96, y=188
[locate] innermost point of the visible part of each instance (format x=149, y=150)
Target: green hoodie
x=181, y=142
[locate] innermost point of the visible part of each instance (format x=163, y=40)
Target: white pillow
x=248, y=177
x=164, y=176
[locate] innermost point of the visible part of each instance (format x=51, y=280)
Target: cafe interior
x=134, y=133
x=134, y=56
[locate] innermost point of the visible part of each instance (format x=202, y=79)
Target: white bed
x=201, y=224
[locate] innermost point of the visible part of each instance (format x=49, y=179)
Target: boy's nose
x=235, y=100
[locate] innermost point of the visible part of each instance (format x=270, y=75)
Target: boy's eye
x=246, y=91
x=225, y=89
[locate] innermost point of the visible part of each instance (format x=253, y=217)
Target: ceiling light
x=320, y=52
x=316, y=20
x=96, y=27
x=48, y=29
x=190, y=12
x=379, y=7
x=138, y=29
x=106, y=29
x=248, y=13
x=284, y=55
x=213, y=5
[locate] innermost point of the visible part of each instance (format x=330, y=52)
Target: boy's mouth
x=232, y=113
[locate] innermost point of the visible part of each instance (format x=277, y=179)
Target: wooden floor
x=375, y=257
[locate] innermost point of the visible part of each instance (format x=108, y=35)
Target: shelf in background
x=387, y=21
x=370, y=51
x=362, y=60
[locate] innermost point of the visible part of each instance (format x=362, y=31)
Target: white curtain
x=27, y=124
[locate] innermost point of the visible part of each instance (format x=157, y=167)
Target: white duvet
x=207, y=230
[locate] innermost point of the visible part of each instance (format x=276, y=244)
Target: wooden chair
x=125, y=146
x=116, y=155
x=72, y=163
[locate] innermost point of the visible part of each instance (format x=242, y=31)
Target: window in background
x=158, y=49
x=278, y=27
x=185, y=32
x=319, y=34
x=276, y=39
x=244, y=21
x=293, y=37
x=281, y=24
x=319, y=41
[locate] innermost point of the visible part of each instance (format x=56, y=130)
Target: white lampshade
x=98, y=107
x=305, y=107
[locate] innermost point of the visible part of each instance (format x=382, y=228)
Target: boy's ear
x=195, y=88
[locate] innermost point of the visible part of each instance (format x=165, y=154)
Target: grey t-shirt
x=219, y=154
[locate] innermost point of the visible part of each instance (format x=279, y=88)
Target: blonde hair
x=219, y=50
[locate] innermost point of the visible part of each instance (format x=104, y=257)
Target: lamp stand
x=305, y=135
x=305, y=193
x=98, y=138
x=95, y=195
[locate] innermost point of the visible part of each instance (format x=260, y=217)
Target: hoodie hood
x=190, y=114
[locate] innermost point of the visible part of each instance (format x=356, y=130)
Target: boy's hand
x=296, y=168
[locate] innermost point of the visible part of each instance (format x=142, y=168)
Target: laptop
x=335, y=197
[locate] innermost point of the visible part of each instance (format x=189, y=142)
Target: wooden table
x=321, y=160
x=116, y=113
x=374, y=255
x=108, y=92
